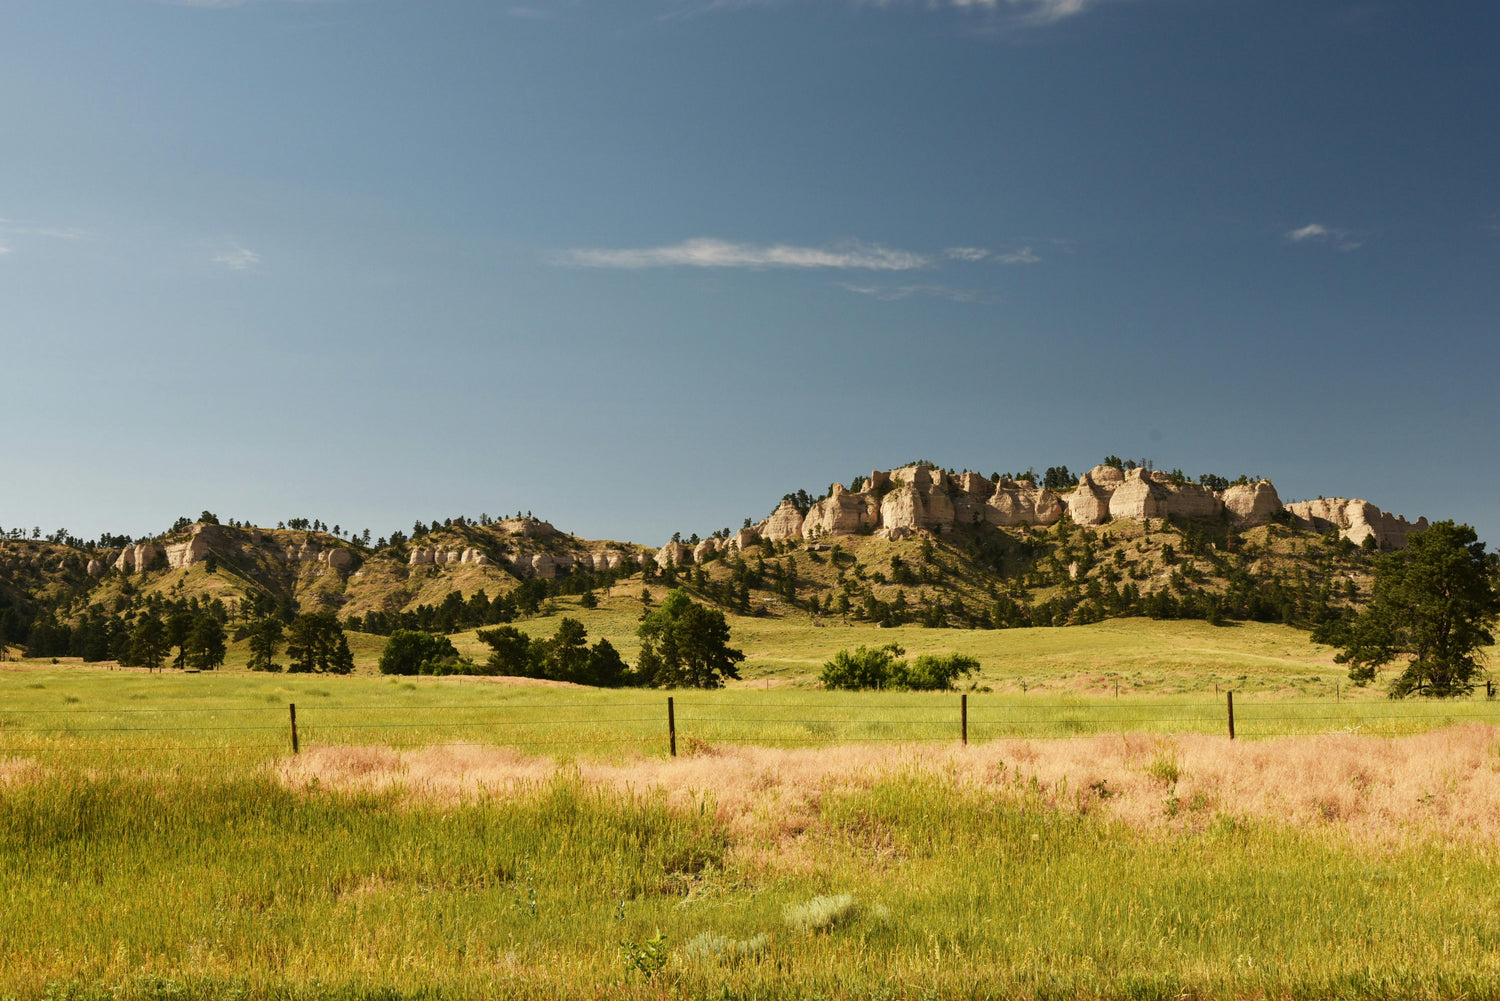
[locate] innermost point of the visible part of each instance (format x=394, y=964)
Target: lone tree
x=316, y=642
x=1434, y=601
x=686, y=645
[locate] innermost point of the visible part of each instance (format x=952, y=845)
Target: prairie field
x=477, y=838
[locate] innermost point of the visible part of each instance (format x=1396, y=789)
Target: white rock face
x=137, y=558
x=785, y=523
x=420, y=557
x=1356, y=520
x=1088, y=504
x=840, y=513
x=97, y=567
x=1251, y=503
x=675, y=553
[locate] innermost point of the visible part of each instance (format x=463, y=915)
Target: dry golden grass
x=1444, y=784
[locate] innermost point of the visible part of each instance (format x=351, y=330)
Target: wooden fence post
x=963, y=719
x=672, y=726
x=1229, y=701
x=292, y=706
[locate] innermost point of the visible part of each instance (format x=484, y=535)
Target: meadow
x=476, y=838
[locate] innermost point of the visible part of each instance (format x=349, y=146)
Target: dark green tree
x=510, y=651
x=149, y=641
x=265, y=639
x=686, y=645
x=1434, y=602
x=409, y=650
x=205, y=646
x=316, y=642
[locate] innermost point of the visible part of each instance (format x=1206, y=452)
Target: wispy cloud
x=1032, y=12
x=711, y=253
x=1023, y=256
x=966, y=253
x=1319, y=233
x=894, y=293
x=4, y=250
x=237, y=259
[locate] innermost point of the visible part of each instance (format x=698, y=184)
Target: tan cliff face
x=919, y=498
x=1356, y=520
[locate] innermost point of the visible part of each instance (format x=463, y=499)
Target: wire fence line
x=655, y=727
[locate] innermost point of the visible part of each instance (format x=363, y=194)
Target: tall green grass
x=130, y=719
x=221, y=887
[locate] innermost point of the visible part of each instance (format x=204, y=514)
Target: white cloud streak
x=895, y=293
x=1311, y=231
x=238, y=259
x=1023, y=256
x=711, y=253
x=1316, y=231
x=969, y=254
x=1026, y=12
x=1034, y=11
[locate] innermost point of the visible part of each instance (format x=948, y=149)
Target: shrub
x=863, y=668
x=820, y=913
x=883, y=668
x=409, y=651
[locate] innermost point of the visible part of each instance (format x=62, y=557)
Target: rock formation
x=137, y=558
x=1251, y=503
x=840, y=513
x=1088, y=504
x=785, y=523
x=528, y=527
x=675, y=553
x=1356, y=520
x=97, y=567
x=917, y=498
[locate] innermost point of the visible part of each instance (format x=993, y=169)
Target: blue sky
x=643, y=266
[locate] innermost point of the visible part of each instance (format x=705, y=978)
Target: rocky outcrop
x=745, y=538
x=531, y=528
x=1013, y=504
x=785, y=523
x=1356, y=520
x=336, y=558
x=841, y=513
x=1088, y=504
x=137, y=558
x=674, y=553
x=421, y=557
x=1138, y=497
x=705, y=550
x=1251, y=503
x=97, y=567
x=194, y=550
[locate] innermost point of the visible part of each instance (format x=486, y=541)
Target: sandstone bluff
x=920, y=498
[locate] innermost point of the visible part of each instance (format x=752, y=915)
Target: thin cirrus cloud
x=1023, y=256
x=711, y=253
x=895, y=293
x=237, y=259
x=1036, y=12
x=972, y=255
x=1316, y=232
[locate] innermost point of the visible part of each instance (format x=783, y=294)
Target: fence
x=658, y=726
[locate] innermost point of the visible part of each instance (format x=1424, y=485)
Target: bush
x=863, y=668
x=884, y=668
x=409, y=651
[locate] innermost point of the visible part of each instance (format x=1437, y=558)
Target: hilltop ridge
x=915, y=544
